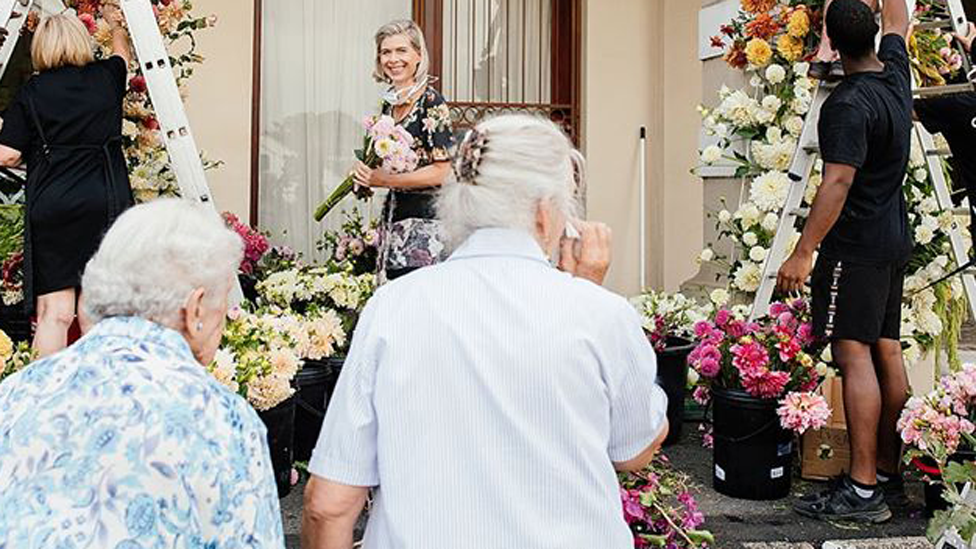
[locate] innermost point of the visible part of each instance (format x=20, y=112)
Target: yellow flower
x=799, y=24
x=789, y=47
x=758, y=52
x=6, y=347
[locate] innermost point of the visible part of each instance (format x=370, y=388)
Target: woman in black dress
x=66, y=124
x=411, y=233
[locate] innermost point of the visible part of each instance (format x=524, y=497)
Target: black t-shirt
x=954, y=116
x=866, y=123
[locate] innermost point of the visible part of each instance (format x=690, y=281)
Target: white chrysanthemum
x=758, y=254
x=772, y=103
x=775, y=74
x=924, y=234
x=946, y=221
x=769, y=190
x=706, y=255
x=739, y=108
x=810, y=193
x=803, y=84
x=770, y=222
x=928, y=205
x=746, y=277
x=755, y=81
x=774, y=156
x=724, y=216
x=750, y=239
x=724, y=91
x=921, y=175
x=711, y=154
x=801, y=69
x=774, y=134
x=719, y=296
x=721, y=130
x=800, y=106
x=749, y=214
x=794, y=125
x=266, y=392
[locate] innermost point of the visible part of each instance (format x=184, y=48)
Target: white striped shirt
x=487, y=397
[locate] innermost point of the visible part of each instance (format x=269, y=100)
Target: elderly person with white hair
x=490, y=399
x=124, y=440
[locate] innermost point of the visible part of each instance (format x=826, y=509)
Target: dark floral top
x=412, y=234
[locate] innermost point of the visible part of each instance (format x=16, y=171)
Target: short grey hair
x=525, y=160
x=154, y=256
x=412, y=31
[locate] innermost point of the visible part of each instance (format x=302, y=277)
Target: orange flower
x=763, y=26
x=758, y=6
x=736, y=57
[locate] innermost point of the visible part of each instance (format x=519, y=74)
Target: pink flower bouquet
x=771, y=359
x=385, y=145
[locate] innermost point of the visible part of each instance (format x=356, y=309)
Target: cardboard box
x=826, y=453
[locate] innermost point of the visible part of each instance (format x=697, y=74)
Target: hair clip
x=469, y=154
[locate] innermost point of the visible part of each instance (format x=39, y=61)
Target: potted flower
x=669, y=321
x=308, y=292
x=938, y=430
x=760, y=378
x=258, y=359
x=355, y=247
x=660, y=508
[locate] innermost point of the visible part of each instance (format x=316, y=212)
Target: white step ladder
x=808, y=150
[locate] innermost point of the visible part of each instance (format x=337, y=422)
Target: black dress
x=67, y=123
x=411, y=232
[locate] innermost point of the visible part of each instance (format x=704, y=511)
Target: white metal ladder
x=806, y=154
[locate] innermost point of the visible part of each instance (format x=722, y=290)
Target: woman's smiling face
x=399, y=60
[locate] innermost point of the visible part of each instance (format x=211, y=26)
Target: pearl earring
x=199, y=326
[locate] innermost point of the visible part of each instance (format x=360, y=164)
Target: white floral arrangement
x=667, y=315
x=316, y=285
x=758, y=128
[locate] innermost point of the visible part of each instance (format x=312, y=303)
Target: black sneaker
x=842, y=503
x=894, y=491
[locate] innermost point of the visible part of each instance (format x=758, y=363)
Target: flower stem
x=337, y=195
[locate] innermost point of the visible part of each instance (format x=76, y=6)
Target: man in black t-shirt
x=954, y=116
x=859, y=221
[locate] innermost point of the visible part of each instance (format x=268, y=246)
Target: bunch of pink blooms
x=391, y=144
x=255, y=243
x=936, y=423
x=770, y=359
x=660, y=508
x=802, y=411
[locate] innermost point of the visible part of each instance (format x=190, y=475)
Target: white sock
x=864, y=494
x=882, y=477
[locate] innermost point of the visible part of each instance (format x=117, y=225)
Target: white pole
x=643, y=208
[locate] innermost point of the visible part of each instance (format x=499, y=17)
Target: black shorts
x=857, y=301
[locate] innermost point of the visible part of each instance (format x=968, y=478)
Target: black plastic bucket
x=280, y=422
x=672, y=376
x=314, y=385
x=753, y=454
x=933, y=491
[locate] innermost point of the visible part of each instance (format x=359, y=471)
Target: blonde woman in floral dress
x=411, y=234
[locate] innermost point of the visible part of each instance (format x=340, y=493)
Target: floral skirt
x=409, y=244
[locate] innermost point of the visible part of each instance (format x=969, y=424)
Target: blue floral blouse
x=124, y=441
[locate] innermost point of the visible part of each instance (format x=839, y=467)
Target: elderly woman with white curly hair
x=489, y=399
x=124, y=440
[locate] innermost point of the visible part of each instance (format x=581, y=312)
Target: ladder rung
x=950, y=89
x=930, y=25
x=812, y=147
x=961, y=211
x=939, y=152
x=800, y=212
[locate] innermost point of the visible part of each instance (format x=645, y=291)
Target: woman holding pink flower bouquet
x=413, y=137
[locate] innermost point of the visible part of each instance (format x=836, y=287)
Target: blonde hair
x=61, y=41
x=411, y=31
x=516, y=161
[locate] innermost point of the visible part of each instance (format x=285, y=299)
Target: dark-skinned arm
x=895, y=18
x=826, y=209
